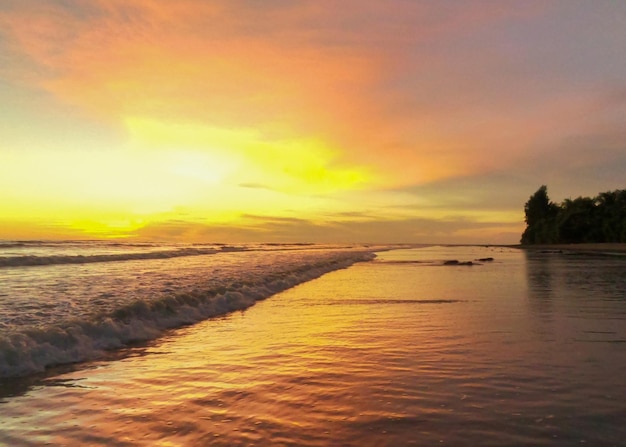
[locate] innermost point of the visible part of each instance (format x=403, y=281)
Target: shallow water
x=528, y=349
x=59, y=310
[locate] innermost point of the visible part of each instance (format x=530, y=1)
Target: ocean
x=63, y=302
x=309, y=345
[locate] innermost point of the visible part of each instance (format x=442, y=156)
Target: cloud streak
x=280, y=229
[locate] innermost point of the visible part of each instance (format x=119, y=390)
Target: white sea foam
x=32, y=260
x=66, y=313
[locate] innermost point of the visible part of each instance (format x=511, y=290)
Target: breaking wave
x=33, y=260
x=32, y=350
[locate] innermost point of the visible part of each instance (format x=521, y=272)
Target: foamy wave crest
x=22, y=261
x=31, y=351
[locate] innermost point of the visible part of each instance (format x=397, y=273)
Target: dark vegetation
x=598, y=219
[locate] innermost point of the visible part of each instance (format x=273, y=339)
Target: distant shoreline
x=578, y=248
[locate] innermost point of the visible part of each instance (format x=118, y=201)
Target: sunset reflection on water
x=509, y=352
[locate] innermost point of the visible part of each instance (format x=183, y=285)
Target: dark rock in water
x=455, y=262
x=485, y=259
x=230, y=248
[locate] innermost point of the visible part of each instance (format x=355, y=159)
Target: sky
x=397, y=121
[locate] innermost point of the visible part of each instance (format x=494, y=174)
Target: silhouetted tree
x=540, y=214
x=611, y=207
x=577, y=221
x=598, y=219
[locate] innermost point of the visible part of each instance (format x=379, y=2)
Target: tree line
x=585, y=219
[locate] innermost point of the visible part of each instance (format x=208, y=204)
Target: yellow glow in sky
x=245, y=156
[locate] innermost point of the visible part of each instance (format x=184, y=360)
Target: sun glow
x=246, y=156
x=167, y=171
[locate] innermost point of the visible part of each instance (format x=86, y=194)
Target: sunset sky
x=312, y=121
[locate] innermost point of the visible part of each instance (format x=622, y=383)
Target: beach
x=524, y=349
x=312, y=224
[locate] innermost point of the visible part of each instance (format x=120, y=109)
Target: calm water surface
x=527, y=349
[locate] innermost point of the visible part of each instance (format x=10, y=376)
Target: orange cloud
x=287, y=71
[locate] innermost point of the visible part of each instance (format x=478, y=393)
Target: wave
x=69, y=242
x=33, y=350
x=33, y=260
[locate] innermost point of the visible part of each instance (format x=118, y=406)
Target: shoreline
x=612, y=248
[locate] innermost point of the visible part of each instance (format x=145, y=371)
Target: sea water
x=525, y=349
x=62, y=302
